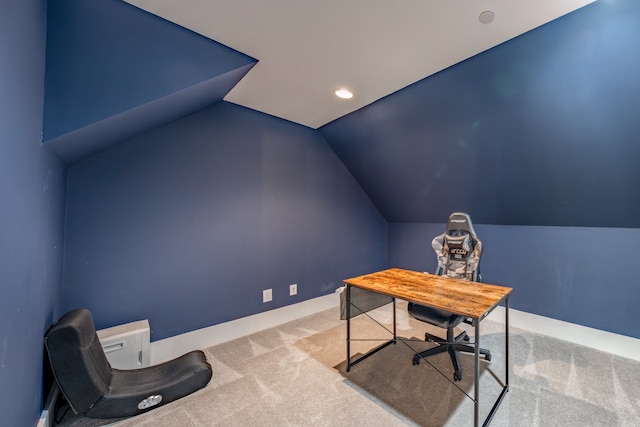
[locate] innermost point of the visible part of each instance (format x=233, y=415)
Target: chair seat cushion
x=171, y=380
x=433, y=316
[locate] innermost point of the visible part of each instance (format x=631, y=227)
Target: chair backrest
x=458, y=249
x=79, y=364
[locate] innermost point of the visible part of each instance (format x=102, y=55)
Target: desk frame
x=476, y=319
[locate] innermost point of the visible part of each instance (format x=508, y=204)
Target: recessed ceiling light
x=486, y=17
x=343, y=93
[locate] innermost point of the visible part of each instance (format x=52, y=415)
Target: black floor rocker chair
x=458, y=251
x=94, y=389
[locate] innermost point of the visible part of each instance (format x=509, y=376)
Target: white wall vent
x=127, y=346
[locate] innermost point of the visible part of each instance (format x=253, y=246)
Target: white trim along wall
x=170, y=348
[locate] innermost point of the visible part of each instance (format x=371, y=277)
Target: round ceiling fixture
x=343, y=93
x=486, y=17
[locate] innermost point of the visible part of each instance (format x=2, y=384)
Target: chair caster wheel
x=466, y=338
x=487, y=357
x=457, y=375
x=416, y=360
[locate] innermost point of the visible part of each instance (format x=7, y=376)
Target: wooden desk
x=470, y=299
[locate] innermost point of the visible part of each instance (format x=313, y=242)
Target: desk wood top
x=469, y=299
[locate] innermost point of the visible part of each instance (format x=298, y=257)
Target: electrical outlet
x=267, y=295
x=293, y=289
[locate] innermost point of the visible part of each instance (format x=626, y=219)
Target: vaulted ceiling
x=516, y=112
x=115, y=70
x=307, y=49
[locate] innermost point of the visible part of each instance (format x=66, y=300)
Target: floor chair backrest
x=78, y=360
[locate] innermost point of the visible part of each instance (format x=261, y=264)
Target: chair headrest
x=460, y=222
x=74, y=328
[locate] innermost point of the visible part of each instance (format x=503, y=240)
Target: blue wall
x=538, y=137
x=541, y=130
x=587, y=276
x=187, y=224
x=95, y=72
x=31, y=213
x=104, y=86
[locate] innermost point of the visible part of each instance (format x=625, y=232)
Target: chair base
x=452, y=345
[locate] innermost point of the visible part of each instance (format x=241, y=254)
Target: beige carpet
x=421, y=393
x=293, y=375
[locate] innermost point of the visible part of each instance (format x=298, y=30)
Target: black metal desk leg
x=505, y=387
x=506, y=342
x=348, y=302
x=476, y=375
x=395, y=335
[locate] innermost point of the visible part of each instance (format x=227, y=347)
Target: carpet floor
x=294, y=375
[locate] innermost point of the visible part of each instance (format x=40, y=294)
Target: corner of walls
x=31, y=214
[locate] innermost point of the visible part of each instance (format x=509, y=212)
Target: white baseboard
x=170, y=348
x=173, y=347
x=609, y=342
